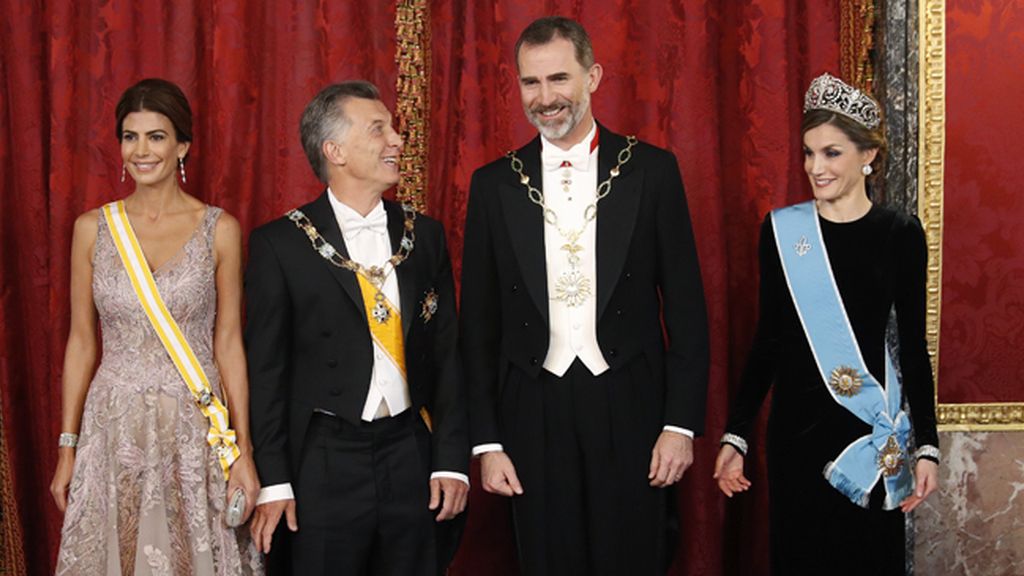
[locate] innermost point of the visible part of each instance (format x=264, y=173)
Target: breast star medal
x=429, y=307
x=890, y=458
x=572, y=288
x=845, y=381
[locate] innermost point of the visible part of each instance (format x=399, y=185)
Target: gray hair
x=324, y=119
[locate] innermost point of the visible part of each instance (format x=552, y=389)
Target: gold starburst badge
x=572, y=288
x=845, y=381
x=429, y=307
x=890, y=459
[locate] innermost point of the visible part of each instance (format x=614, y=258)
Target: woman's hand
x=62, y=477
x=926, y=480
x=243, y=475
x=729, y=471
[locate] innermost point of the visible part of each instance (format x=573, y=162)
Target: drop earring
x=124, y=170
x=181, y=168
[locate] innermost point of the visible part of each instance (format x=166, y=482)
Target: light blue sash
x=883, y=453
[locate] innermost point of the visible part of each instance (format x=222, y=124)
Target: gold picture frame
x=931, y=168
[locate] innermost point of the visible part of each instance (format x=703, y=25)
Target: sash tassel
x=846, y=485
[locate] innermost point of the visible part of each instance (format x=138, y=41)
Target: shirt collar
x=578, y=156
x=352, y=222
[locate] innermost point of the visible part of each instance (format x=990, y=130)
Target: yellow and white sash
x=388, y=334
x=220, y=435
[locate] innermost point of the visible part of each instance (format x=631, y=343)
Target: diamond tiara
x=827, y=92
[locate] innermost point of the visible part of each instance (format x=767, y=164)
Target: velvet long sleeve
x=918, y=383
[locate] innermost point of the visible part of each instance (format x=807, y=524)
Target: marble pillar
x=974, y=525
x=896, y=68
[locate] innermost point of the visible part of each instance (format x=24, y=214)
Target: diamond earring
x=124, y=170
x=181, y=168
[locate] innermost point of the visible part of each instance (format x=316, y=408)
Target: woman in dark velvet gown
x=878, y=258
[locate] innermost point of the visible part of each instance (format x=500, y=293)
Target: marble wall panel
x=974, y=525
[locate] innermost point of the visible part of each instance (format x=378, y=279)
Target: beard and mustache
x=556, y=130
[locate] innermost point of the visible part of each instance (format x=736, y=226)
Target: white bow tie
x=376, y=221
x=578, y=157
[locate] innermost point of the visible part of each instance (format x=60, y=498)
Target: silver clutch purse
x=236, y=509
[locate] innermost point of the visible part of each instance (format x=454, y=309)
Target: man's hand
x=451, y=493
x=672, y=455
x=499, y=475
x=926, y=476
x=265, y=519
x=729, y=471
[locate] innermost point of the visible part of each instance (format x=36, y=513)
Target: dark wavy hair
x=543, y=30
x=160, y=96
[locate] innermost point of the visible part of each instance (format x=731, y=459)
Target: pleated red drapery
x=719, y=83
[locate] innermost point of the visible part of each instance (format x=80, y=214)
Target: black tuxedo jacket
x=308, y=342
x=648, y=279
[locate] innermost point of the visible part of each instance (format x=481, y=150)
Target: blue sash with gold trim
x=883, y=453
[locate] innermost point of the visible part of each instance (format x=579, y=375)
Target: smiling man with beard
x=578, y=251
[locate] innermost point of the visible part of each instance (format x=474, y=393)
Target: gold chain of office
x=377, y=275
x=330, y=254
x=572, y=287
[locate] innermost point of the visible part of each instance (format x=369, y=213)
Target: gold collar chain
x=603, y=189
x=573, y=287
x=375, y=274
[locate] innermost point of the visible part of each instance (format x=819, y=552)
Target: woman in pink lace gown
x=143, y=493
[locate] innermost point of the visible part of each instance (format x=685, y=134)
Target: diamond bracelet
x=735, y=441
x=67, y=440
x=928, y=451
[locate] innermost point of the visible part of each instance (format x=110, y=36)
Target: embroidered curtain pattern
x=982, y=240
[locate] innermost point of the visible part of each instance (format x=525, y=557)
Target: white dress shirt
x=368, y=243
x=568, y=190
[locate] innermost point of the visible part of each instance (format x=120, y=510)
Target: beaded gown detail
x=147, y=495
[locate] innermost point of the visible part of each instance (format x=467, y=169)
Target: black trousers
x=362, y=493
x=581, y=446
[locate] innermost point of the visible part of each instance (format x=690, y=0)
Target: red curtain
x=983, y=240
x=719, y=83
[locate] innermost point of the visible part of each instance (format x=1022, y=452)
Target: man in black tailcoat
x=583, y=325
x=358, y=409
